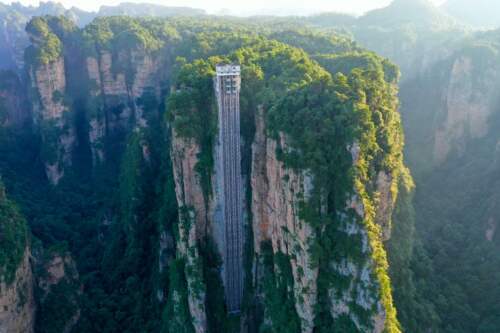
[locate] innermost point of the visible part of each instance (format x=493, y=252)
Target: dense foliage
x=121, y=33
x=47, y=34
x=57, y=296
x=13, y=237
x=278, y=288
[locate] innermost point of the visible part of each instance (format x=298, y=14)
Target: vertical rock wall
x=53, y=117
x=97, y=118
x=50, y=79
x=362, y=290
x=276, y=196
x=14, y=107
x=17, y=304
x=468, y=103
x=192, y=223
x=118, y=86
x=119, y=89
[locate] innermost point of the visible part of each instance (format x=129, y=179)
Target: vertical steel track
x=227, y=87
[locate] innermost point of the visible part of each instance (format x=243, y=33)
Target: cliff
x=277, y=195
x=321, y=200
x=119, y=97
x=14, y=105
x=17, y=302
x=457, y=105
x=53, y=117
x=192, y=224
x=117, y=90
x=469, y=101
x=47, y=74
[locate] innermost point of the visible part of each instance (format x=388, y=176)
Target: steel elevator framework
x=227, y=88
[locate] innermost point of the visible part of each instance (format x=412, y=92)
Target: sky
x=244, y=7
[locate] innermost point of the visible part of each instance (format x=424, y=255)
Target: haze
x=275, y=7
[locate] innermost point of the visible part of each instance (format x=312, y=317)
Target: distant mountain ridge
x=147, y=9
x=420, y=13
x=415, y=14
x=405, y=31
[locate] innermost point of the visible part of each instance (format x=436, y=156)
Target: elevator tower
x=227, y=88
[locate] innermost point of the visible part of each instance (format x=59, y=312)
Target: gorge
x=116, y=109
x=197, y=173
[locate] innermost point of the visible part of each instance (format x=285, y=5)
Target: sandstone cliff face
x=365, y=289
x=118, y=93
x=147, y=79
x=385, y=186
x=192, y=224
x=188, y=187
x=14, y=41
x=17, y=304
x=276, y=195
x=362, y=289
x=14, y=108
x=124, y=87
x=49, y=80
x=386, y=203
x=52, y=115
x=97, y=128
x=112, y=84
x=468, y=105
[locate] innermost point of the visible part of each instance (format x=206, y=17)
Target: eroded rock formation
x=469, y=103
x=17, y=303
x=192, y=224
x=51, y=114
x=277, y=194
